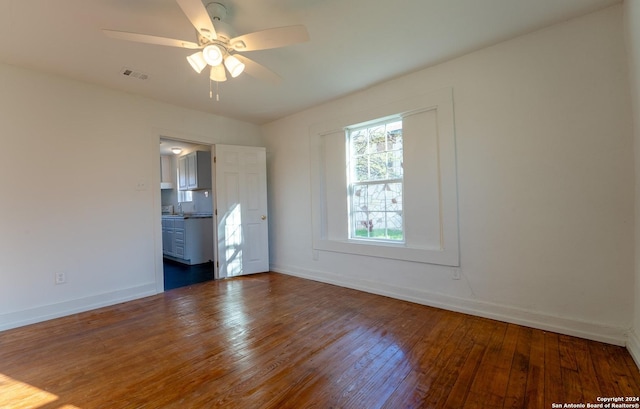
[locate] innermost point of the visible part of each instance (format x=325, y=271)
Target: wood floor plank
x=572, y=387
x=413, y=389
x=276, y=341
x=479, y=336
x=352, y=372
x=586, y=369
x=553, y=387
x=452, y=367
x=534, y=393
x=613, y=375
x=490, y=384
x=428, y=377
x=519, y=370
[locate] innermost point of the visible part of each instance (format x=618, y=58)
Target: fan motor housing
x=217, y=11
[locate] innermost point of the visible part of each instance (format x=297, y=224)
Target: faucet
x=180, y=209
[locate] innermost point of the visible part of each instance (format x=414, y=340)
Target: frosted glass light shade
x=212, y=55
x=234, y=66
x=197, y=62
x=218, y=73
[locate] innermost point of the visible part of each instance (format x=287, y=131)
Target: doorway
x=187, y=218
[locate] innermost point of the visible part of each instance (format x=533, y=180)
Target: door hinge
x=214, y=159
x=218, y=264
x=216, y=211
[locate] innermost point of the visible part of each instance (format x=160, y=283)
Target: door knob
x=263, y=217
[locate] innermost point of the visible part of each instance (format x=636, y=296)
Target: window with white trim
x=388, y=188
x=375, y=178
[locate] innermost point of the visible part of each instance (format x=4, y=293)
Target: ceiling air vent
x=129, y=72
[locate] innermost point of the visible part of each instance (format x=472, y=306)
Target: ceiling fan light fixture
x=212, y=55
x=218, y=73
x=234, y=66
x=197, y=61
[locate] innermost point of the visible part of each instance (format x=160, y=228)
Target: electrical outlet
x=457, y=273
x=60, y=278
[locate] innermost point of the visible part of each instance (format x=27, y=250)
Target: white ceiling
x=354, y=44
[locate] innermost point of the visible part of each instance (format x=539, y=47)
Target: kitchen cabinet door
x=182, y=173
x=166, y=172
x=192, y=171
x=168, y=245
x=195, y=171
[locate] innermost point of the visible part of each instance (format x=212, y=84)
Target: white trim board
x=562, y=325
x=633, y=346
x=65, y=308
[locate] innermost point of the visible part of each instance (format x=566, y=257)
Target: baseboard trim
x=633, y=346
x=47, y=312
x=561, y=325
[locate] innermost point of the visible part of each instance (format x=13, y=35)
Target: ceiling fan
x=218, y=49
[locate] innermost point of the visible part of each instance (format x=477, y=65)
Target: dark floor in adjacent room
x=180, y=275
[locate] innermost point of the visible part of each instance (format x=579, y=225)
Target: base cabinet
x=188, y=240
x=167, y=238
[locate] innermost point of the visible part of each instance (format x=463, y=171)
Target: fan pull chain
x=217, y=90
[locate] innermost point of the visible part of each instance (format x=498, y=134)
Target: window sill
x=399, y=251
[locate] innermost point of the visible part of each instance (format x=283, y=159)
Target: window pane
x=359, y=142
x=361, y=224
x=394, y=139
x=362, y=168
x=377, y=211
x=394, y=196
x=377, y=139
x=395, y=126
x=378, y=166
x=394, y=165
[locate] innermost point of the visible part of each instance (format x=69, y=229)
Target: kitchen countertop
x=188, y=216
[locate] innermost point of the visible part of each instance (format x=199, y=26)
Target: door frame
x=157, y=134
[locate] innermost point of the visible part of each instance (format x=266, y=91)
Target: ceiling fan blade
x=149, y=39
x=258, y=71
x=197, y=14
x=270, y=38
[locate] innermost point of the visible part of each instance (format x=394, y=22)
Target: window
x=386, y=187
x=183, y=195
x=375, y=181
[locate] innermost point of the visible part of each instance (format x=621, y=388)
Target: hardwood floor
x=274, y=341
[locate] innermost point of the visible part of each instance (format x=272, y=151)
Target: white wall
x=632, y=31
x=545, y=181
x=71, y=160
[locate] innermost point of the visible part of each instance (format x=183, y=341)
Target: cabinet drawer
x=179, y=251
x=178, y=235
x=178, y=223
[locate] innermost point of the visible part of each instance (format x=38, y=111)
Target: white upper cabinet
x=166, y=172
x=194, y=170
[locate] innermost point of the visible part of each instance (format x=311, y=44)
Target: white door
x=241, y=206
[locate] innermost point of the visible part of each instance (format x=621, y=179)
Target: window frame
x=351, y=182
x=328, y=168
